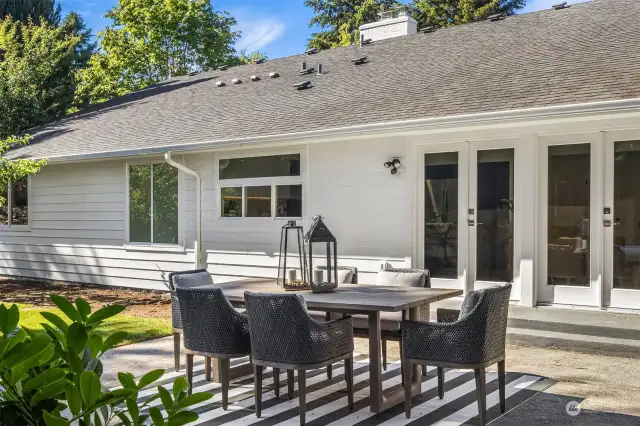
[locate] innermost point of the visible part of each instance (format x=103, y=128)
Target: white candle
x=318, y=276
x=291, y=275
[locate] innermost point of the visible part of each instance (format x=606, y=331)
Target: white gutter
x=197, y=244
x=557, y=111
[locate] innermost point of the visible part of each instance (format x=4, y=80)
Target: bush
x=53, y=378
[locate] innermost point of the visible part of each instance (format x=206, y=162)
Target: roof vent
x=306, y=71
x=359, y=61
x=220, y=83
x=363, y=41
x=236, y=81
x=223, y=68
x=255, y=78
x=319, y=69
x=260, y=61
x=311, y=51
x=192, y=73
x=496, y=17
x=559, y=6
x=274, y=75
x=426, y=30
x=302, y=85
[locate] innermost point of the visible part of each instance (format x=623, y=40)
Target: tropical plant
x=54, y=378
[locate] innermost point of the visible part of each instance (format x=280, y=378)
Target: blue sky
x=276, y=27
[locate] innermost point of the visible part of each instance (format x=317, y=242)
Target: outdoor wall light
x=394, y=165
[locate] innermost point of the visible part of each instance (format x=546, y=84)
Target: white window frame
x=9, y=226
x=272, y=182
x=141, y=245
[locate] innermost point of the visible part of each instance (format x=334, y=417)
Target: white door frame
x=615, y=298
x=489, y=145
x=561, y=294
x=462, y=148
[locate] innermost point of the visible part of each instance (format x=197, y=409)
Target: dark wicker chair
x=474, y=340
x=214, y=329
x=284, y=336
x=185, y=279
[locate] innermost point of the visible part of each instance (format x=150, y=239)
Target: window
x=15, y=203
x=266, y=186
x=153, y=204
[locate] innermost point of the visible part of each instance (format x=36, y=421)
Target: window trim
x=9, y=226
x=272, y=182
x=135, y=245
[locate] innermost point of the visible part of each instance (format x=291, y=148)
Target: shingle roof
x=588, y=52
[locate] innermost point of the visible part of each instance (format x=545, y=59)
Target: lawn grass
x=138, y=329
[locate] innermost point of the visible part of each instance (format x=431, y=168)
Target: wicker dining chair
x=284, y=336
x=472, y=338
x=214, y=329
x=185, y=279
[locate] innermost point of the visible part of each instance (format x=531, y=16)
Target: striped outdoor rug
x=327, y=399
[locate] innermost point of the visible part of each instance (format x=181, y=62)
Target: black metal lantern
x=283, y=280
x=319, y=233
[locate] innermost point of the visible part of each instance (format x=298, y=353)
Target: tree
x=35, y=65
x=153, y=40
x=244, y=58
x=340, y=20
x=446, y=13
x=15, y=170
x=38, y=11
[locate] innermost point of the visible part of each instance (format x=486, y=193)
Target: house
x=503, y=150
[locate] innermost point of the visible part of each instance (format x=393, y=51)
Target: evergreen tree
x=445, y=13
x=38, y=11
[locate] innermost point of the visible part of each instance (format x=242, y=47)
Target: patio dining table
x=369, y=300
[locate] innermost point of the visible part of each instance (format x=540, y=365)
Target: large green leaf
x=55, y=320
x=89, y=387
x=124, y=419
x=67, y=307
x=52, y=390
x=75, y=362
x=183, y=418
x=166, y=399
x=97, y=421
x=113, y=340
x=9, y=318
x=195, y=398
x=112, y=398
x=179, y=385
x=84, y=308
x=127, y=381
x=104, y=313
x=52, y=420
x=48, y=376
x=149, y=378
x=134, y=412
x=156, y=416
x=94, y=344
x=74, y=399
x=77, y=337
x=10, y=342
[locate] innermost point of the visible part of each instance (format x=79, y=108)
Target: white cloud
x=256, y=34
x=546, y=4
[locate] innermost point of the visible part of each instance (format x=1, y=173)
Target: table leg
x=375, y=366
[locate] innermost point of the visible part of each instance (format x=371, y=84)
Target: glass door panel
x=441, y=214
x=568, y=218
x=495, y=207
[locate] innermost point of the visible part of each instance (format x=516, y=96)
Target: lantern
x=291, y=282
x=319, y=233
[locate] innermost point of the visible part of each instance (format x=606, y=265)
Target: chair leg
x=384, y=354
x=348, y=371
x=501, y=385
x=302, y=394
x=290, y=384
x=440, y=382
x=207, y=368
x=406, y=376
x=176, y=350
x=276, y=381
x=481, y=394
x=225, y=364
x=424, y=370
x=402, y=370
x=257, y=385
x=329, y=371
x=190, y=372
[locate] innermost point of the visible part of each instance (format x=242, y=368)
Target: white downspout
x=198, y=240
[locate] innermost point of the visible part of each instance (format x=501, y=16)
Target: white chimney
x=393, y=23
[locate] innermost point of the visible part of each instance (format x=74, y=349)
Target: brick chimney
x=393, y=23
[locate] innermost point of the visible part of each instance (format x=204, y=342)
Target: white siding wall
x=77, y=231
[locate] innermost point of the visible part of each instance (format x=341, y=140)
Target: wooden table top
x=347, y=297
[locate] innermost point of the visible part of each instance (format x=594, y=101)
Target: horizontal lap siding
x=77, y=232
